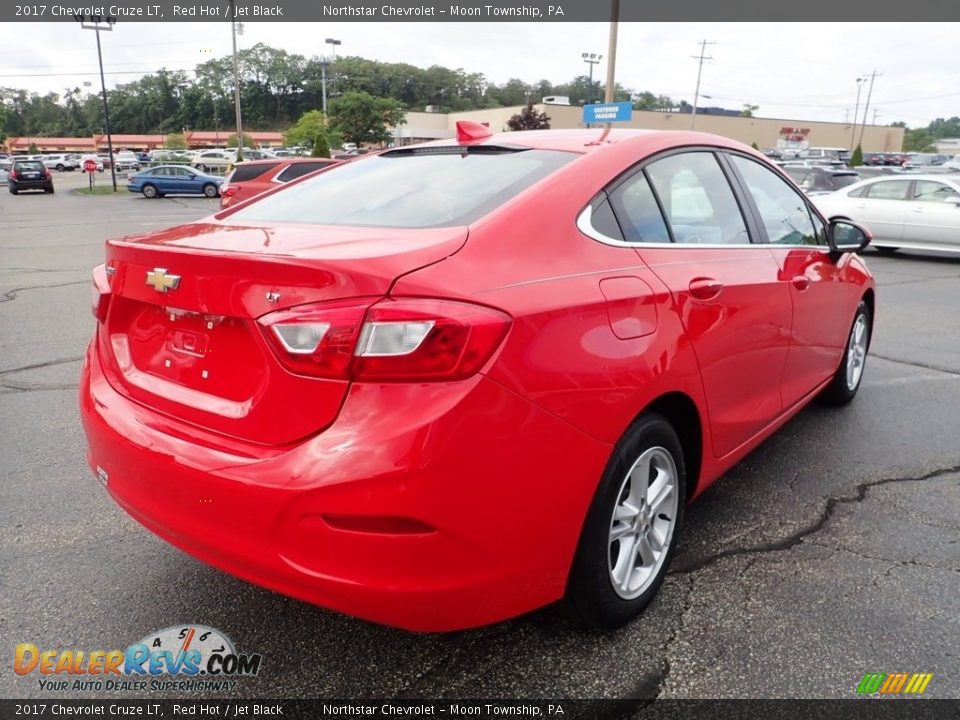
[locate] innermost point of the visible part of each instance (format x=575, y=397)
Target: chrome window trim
x=585, y=226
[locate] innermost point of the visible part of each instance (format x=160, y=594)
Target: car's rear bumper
x=18, y=185
x=471, y=499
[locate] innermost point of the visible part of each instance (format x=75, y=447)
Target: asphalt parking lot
x=831, y=551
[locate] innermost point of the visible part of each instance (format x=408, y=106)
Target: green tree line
x=277, y=87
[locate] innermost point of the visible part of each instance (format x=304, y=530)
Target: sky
x=803, y=71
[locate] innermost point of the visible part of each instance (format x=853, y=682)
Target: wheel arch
x=682, y=413
x=869, y=297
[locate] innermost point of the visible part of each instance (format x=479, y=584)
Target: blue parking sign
x=607, y=112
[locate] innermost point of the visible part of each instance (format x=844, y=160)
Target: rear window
x=29, y=165
x=429, y=187
x=845, y=179
x=300, y=169
x=242, y=173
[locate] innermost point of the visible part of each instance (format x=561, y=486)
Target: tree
x=321, y=146
x=175, y=141
x=919, y=140
x=856, y=159
x=232, y=141
x=307, y=128
x=33, y=149
x=754, y=145
x=748, y=110
x=363, y=119
x=529, y=119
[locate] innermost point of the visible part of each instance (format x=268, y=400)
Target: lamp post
x=236, y=80
x=98, y=23
x=856, y=110
x=332, y=42
x=591, y=59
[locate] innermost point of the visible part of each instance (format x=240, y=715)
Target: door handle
x=916, y=209
x=705, y=288
x=802, y=282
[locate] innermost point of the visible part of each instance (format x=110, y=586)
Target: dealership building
x=765, y=132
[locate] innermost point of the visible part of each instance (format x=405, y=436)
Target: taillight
x=391, y=340
x=13, y=175
x=48, y=174
x=229, y=191
x=100, y=299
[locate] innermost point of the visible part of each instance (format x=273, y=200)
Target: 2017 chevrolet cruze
x=450, y=383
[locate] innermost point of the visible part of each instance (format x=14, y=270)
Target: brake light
x=100, y=299
x=48, y=174
x=229, y=191
x=13, y=175
x=390, y=340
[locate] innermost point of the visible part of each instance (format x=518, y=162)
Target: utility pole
x=856, y=111
x=612, y=50
x=236, y=80
x=98, y=23
x=876, y=112
x=696, y=93
x=873, y=76
x=332, y=42
x=846, y=115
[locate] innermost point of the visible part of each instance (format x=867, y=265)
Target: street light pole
x=612, y=50
x=332, y=42
x=856, y=110
x=236, y=80
x=591, y=59
x=98, y=23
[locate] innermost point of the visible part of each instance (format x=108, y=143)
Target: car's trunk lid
x=181, y=334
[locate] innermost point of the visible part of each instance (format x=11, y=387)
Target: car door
x=932, y=215
x=161, y=178
x=882, y=207
x=797, y=238
x=726, y=289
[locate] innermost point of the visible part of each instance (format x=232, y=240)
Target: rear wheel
x=846, y=381
x=149, y=191
x=49, y=190
x=60, y=167
x=210, y=190
x=12, y=191
x=632, y=527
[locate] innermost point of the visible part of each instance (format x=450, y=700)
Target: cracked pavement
x=831, y=551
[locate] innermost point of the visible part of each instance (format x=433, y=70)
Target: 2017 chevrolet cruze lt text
x=450, y=383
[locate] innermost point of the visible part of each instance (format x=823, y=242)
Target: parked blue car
x=174, y=180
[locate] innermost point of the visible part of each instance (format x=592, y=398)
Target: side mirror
x=953, y=200
x=846, y=236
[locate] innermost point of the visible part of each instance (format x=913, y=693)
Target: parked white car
x=61, y=162
x=214, y=159
x=915, y=212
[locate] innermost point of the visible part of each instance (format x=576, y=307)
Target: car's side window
x=859, y=192
x=636, y=208
x=888, y=190
x=698, y=200
x=783, y=210
x=930, y=191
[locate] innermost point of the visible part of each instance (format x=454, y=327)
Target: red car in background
x=256, y=176
x=451, y=383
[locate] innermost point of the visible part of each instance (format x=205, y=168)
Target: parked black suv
x=29, y=175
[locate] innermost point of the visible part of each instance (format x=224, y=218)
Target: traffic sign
x=607, y=112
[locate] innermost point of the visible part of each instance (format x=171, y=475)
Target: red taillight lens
x=427, y=339
x=393, y=340
x=229, y=191
x=317, y=340
x=100, y=299
x=13, y=174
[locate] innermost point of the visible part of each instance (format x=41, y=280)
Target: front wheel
x=631, y=530
x=149, y=191
x=210, y=190
x=60, y=167
x=846, y=381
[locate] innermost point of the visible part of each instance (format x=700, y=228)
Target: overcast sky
x=804, y=71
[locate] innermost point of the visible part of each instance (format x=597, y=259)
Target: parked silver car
x=915, y=212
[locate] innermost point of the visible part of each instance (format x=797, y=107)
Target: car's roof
x=289, y=160
x=591, y=140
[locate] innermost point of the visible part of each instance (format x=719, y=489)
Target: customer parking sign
x=607, y=112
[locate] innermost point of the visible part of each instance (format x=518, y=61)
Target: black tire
x=886, y=250
x=590, y=591
x=49, y=190
x=13, y=192
x=150, y=191
x=210, y=190
x=60, y=167
x=839, y=391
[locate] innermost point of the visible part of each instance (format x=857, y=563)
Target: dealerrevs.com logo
x=182, y=658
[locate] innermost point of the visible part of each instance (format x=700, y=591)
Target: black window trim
x=761, y=230
x=330, y=163
x=750, y=221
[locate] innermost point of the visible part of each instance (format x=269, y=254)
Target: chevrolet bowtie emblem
x=162, y=282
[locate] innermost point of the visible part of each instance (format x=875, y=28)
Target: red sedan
x=451, y=383
x=253, y=177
